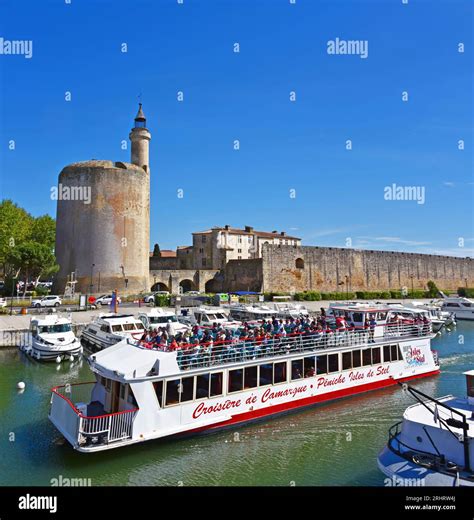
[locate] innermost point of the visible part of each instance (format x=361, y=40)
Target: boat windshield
x=163, y=319
x=216, y=316
x=52, y=329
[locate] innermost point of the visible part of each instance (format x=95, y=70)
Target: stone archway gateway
x=186, y=285
x=160, y=286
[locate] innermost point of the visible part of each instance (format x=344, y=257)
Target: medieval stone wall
x=294, y=269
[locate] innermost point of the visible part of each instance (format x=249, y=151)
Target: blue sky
x=284, y=145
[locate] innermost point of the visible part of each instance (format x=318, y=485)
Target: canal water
x=333, y=444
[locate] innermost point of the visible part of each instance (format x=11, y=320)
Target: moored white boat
x=434, y=443
x=108, y=329
x=51, y=338
x=463, y=308
x=207, y=317
x=158, y=318
x=142, y=393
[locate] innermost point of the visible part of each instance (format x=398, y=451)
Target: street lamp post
x=92, y=273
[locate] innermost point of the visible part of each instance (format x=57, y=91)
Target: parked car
x=3, y=302
x=106, y=299
x=150, y=298
x=192, y=293
x=47, y=301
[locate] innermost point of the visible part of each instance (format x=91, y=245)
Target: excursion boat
x=463, y=308
x=434, y=444
x=140, y=393
x=158, y=317
x=207, y=316
x=108, y=329
x=51, y=338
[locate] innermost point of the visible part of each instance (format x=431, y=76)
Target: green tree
x=43, y=231
x=156, y=250
x=433, y=291
x=15, y=228
x=33, y=260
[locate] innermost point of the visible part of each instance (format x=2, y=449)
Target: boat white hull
x=42, y=352
x=403, y=472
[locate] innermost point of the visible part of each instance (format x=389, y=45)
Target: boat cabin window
x=356, y=359
x=452, y=305
x=367, y=357
x=391, y=353
x=296, y=369
x=333, y=363
x=163, y=319
x=202, y=386
x=250, y=377
x=322, y=365
x=376, y=359
x=158, y=386
x=236, y=380
x=117, y=328
x=309, y=366
x=54, y=329
x=279, y=372
x=358, y=317
x=266, y=374
x=187, y=389
x=346, y=360
x=172, y=391
x=129, y=326
x=216, y=384
x=105, y=328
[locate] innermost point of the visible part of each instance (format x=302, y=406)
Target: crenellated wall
x=325, y=269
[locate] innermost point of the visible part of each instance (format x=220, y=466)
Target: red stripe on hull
x=308, y=401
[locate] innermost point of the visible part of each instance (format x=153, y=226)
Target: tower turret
x=140, y=137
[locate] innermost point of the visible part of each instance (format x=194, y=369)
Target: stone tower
x=140, y=137
x=104, y=238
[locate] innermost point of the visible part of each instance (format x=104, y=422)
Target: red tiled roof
x=168, y=253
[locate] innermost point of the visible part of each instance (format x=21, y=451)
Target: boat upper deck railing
x=219, y=352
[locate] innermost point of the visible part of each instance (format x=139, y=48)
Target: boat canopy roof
x=361, y=308
x=127, y=360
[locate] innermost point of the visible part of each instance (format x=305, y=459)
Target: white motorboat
x=248, y=312
x=206, y=317
x=108, y=329
x=158, y=318
x=51, y=338
x=463, y=308
x=285, y=310
x=434, y=443
x=432, y=312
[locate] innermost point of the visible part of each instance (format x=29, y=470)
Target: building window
x=239, y=250
x=299, y=263
x=204, y=262
x=204, y=239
